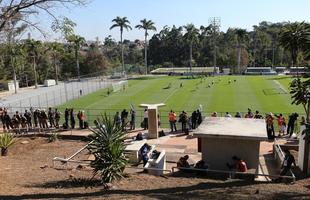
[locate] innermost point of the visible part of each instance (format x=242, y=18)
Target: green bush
x=108, y=148
x=6, y=140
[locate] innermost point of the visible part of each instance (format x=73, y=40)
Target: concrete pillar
x=303, y=160
x=152, y=123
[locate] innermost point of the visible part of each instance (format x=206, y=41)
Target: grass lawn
x=263, y=93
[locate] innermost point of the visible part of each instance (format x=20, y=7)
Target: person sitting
x=237, y=165
x=144, y=152
x=183, y=162
x=201, y=164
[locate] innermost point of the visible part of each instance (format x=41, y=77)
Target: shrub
x=108, y=148
x=6, y=140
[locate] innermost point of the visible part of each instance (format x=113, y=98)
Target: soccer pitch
x=221, y=94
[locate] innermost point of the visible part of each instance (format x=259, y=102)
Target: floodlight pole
x=215, y=23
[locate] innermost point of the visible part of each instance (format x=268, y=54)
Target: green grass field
x=263, y=93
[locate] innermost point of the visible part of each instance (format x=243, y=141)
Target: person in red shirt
x=281, y=124
x=238, y=165
x=269, y=126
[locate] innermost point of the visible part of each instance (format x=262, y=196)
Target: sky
x=94, y=20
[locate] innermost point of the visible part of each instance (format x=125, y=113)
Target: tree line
x=267, y=45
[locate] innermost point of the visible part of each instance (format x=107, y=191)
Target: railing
x=93, y=114
x=280, y=155
x=230, y=172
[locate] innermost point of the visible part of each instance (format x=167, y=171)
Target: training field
x=263, y=93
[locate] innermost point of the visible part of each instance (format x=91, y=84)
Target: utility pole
x=215, y=23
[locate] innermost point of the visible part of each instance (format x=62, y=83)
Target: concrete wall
x=301, y=153
x=218, y=151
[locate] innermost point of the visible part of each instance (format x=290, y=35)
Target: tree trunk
x=145, y=53
x=190, y=57
x=77, y=62
x=35, y=73
x=14, y=75
x=122, y=49
x=56, y=71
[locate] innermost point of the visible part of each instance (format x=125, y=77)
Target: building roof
x=233, y=128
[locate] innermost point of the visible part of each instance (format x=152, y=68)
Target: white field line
x=280, y=86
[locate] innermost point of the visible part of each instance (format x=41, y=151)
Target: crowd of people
x=285, y=127
x=40, y=118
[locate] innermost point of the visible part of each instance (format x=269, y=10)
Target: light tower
x=215, y=23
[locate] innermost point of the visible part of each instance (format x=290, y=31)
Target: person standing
x=249, y=114
x=238, y=115
x=172, y=120
x=124, y=115
x=281, y=122
x=51, y=117
x=257, y=115
x=36, y=114
x=27, y=115
x=117, y=119
x=67, y=114
x=145, y=119
x=194, y=120
x=199, y=118
x=291, y=123
x=269, y=126
x=57, y=117
x=287, y=162
x=132, y=119
x=72, y=119
x=183, y=119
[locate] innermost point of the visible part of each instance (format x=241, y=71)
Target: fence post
x=46, y=100
x=54, y=98
x=66, y=93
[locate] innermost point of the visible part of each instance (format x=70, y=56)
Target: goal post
x=121, y=85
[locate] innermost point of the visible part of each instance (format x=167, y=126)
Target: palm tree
x=146, y=25
x=241, y=35
x=77, y=42
x=108, y=148
x=56, y=50
x=33, y=49
x=191, y=37
x=294, y=37
x=122, y=23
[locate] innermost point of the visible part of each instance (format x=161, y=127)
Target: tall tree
x=77, y=41
x=241, y=35
x=295, y=38
x=56, y=50
x=33, y=49
x=146, y=25
x=29, y=8
x=122, y=23
x=191, y=37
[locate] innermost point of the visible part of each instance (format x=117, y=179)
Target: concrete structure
x=158, y=163
x=152, y=119
x=303, y=160
x=11, y=86
x=221, y=138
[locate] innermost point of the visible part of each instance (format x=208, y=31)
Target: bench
x=160, y=163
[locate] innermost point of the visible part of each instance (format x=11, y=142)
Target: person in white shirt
x=227, y=114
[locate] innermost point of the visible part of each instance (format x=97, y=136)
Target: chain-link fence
x=59, y=94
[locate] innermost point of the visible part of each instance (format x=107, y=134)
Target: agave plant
x=108, y=148
x=6, y=140
x=53, y=137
